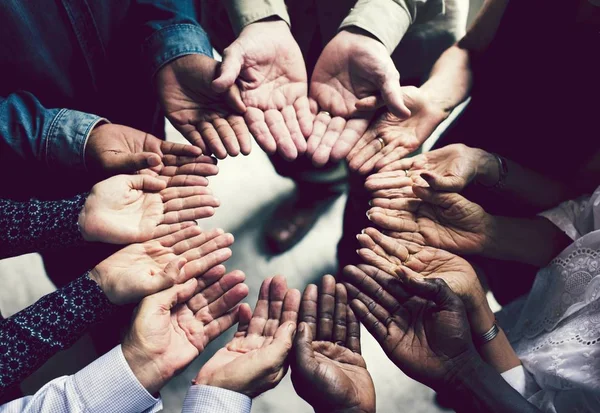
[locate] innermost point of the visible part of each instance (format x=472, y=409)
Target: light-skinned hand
x=267, y=65
x=168, y=332
x=256, y=358
x=328, y=370
x=208, y=119
x=142, y=269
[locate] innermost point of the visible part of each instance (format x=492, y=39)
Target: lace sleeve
x=575, y=217
x=35, y=225
x=53, y=323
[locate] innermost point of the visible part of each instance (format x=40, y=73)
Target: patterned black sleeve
x=35, y=225
x=53, y=323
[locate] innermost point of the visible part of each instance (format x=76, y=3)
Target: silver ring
x=382, y=142
x=324, y=112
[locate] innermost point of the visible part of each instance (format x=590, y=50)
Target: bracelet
x=502, y=172
x=488, y=335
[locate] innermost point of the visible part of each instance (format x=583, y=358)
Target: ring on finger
x=382, y=142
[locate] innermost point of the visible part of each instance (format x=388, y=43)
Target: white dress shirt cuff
x=109, y=385
x=209, y=399
x=520, y=380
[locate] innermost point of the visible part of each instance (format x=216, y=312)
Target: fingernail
x=301, y=327
x=371, y=203
x=368, y=216
x=291, y=326
x=363, y=231
x=358, y=252
x=358, y=236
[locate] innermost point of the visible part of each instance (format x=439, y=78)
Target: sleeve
x=106, y=385
x=244, y=12
x=168, y=29
x=53, y=137
x=576, y=217
x=521, y=380
x=34, y=226
x=209, y=399
x=53, y=323
x=389, y=20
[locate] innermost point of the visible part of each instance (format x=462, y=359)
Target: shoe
x=295, y=217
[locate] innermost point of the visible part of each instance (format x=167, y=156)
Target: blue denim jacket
x=65, y=64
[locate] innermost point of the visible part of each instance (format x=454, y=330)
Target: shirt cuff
x=67, y=137
x=520, y=380
x=209, y=399
x=172, y=42
x=109, y=385
x=244, y=12
x=387, y=20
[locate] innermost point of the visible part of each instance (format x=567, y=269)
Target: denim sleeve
x=53, y=137
x=170, y=29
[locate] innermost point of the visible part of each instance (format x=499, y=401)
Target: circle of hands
x=411, y=292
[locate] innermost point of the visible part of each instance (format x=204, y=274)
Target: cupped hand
x=208, y=119
x=353, y=66
x=139, y=270
x=390, y=138
x=113, y=149
x=256, y=358
x=450, y=168
x=169, y=332
x=421, y=324
x=328, y=370
x=388, y=254
x=269, y=69
x=135, y=208
x=438, y=219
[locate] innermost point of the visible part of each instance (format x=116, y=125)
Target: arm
x=34, y=225
x=53, y=137
x=53, y=323
x=244, y=12
x=106, y=385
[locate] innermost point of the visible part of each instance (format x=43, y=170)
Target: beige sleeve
x=243, y=12
x=388, y=20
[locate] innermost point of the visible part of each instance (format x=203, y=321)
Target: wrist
x=487, y=169
x=146, y=369
x=481, y=319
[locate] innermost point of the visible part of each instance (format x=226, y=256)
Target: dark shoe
x=295, y=216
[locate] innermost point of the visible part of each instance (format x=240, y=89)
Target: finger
x=170, y=240
x=398, y=153
x=167, y=299
x=368, y=151
x=399, y=181
x=398, y=165
x=323, y=151
x=233, y=59
x=309, y=307
x=216, y=290
x=397, y=204
x=291, y=122
x=217, y=327
x=184, y=180
x=245, y=316
x=209, y=245
x=233, y=97
x=176, y=150
x=444, y=200
x=390, y=245
x=281, y=134
x=194, y=168
x=190, y=132
x=277, y=293
x=305, y=116
x=282, y=343
x=369, y=103
x=210, y=276
x=304, y=354
x=163, y=229
x=340, y=315
x=228, y=137
x=366, y=241
x=406, y=192
x=192, y=203
x=255, y=119
x=200, y=266
x=365, y=139
x=353, y=130
x=353, y=331
x=226, y=302
x=319, y=128
x=391, y=92
x=261, y=310
x=193, y=239
x=211, y=138
x=381, y=287
x=146, y=183
x=291, y=306
x=326, y=308
x=188, y=215
x=131, y=162
x=177, y=192
x=378, y=261
x=366, y=316
x=398, y=224
x=242, y=133
x=432, y=289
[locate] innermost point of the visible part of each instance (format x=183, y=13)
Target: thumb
x=233, y=59
x=131, y=162
x=282, y=343
x=450, y=183
x=391, y=92
x=144, y=182
x=303, y=350
x=442, y=199
x=234, y=99
x=177, y=294
x=431, y=289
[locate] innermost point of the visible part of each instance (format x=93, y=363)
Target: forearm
x=477, y=387
x=534, y=241
x=53, y=323
x=34, y=226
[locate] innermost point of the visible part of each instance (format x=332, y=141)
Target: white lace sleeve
x=520, y=380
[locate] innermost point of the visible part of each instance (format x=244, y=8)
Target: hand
x=172, y=327
x=208, y=119
x=442, y=220
x=352, y=67
x=450, y=168
x=256, y=359
x=135, y=208
x=388, y=254
x=327, y=368
x=139, y=270
x=420, y=324
x=400, y=136
x=114, y=149
x=267, y=64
